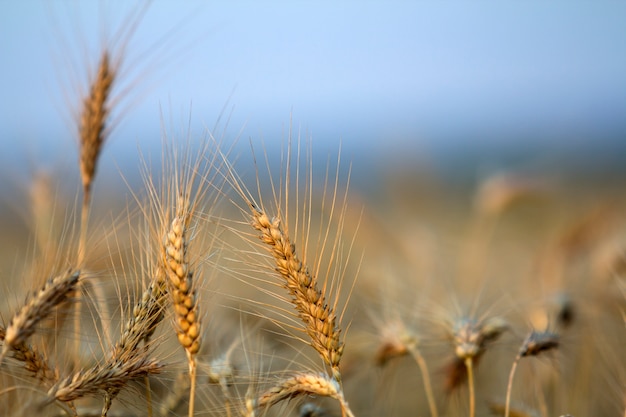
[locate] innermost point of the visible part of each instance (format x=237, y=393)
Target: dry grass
x=229, y=288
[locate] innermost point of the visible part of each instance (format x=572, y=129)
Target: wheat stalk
x=182, y=291
x=319, y=318
x=306, y=294
x=534, y=344
x=92, y=134
x=187, y=177
x=397, y=340
x=471, y=338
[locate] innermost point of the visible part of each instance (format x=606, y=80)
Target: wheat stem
x=507, y=404
x=534, y=344
x=192, y=388
x=470, y=382
x=426, y=378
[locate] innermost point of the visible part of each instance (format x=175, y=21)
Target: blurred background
x=460, y=89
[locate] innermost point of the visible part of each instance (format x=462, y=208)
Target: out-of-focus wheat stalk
x=471, y=338
x=534, y=344
x=92, y=133
x=175, y=208
x=398, y=340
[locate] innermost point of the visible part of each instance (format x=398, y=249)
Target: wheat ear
x=147, y=314
x=303, y=384
x=319, y=318
x=180, y=286
x=92, y=129
x=34, y=361
x=92, y=135
x=173, y=206
x=37, y=308
x=110, y=376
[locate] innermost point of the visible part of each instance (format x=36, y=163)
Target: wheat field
x=261, y=283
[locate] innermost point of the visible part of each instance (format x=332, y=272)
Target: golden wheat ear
x=286, y=230
x=313, y=288
x=301, y=385
x=176, y=210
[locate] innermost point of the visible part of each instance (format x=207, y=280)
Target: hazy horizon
x=404, y=81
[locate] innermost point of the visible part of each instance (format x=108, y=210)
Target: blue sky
x=376, y=75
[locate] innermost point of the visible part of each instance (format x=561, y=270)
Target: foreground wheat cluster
x=231, y=290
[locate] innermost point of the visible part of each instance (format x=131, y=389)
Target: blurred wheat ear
x=37, y=308
x=535, y=343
